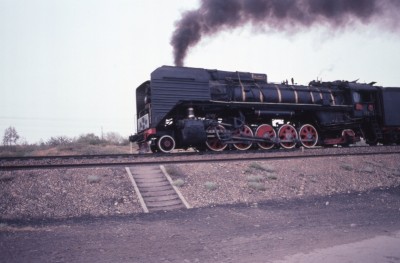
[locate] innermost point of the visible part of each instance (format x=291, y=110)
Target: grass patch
x=347, y=167
x=367, y=169
x=178, y=183
x=374, y=163
x=173, y=171
x=272, y=176
x=258, y=167
x=255, y=178
x=211, y=186
x=257, y=186
x=92, y=179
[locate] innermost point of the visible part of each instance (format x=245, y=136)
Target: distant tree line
x=88, y=139
x=11, y=138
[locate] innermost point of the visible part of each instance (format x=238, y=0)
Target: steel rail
x=200, y=159
x=91, y=156
x=84, y=156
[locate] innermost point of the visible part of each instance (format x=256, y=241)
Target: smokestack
x=214, y=16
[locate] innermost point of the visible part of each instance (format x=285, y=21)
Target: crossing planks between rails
x=155, y=190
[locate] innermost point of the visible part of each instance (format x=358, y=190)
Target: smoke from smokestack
x=214, y=16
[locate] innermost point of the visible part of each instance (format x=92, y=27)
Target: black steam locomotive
x=184, y=107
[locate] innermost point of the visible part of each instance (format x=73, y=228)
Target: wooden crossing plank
x=155, y=189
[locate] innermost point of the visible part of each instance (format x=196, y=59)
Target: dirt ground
x=271, y=231
x=265, y=211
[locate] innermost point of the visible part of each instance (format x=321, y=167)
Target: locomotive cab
x=364, y=101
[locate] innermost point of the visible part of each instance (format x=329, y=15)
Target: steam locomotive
x=182, y=107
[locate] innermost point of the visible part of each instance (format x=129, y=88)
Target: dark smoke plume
x=214, y=16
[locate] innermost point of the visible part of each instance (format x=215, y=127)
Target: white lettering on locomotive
x=143, y=123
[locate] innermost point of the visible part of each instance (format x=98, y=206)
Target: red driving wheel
x=266, y=131
x=287, y=136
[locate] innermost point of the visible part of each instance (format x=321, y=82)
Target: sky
x=71, y=67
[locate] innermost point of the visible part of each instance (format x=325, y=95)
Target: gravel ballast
x=64, y=193
x=254, y=182
x=70, y=193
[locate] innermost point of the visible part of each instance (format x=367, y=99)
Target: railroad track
x=68, y=157
x=54, y=162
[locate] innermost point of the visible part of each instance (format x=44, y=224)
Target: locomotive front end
x=165, y=116
x=143, y=110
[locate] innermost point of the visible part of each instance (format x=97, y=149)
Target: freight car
x=183, y=107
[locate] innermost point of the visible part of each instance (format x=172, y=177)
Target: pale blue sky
x=69, y=67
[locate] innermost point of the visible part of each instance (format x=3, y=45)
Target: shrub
x=257, y=186
x=173, y=170
x=255, y=178
x=272, y=176
x=58, y=141
x=91, y=179
x=256, y=166
x=178, y=183
x=367, y=169
x=89, y=138
x=210, y=186
x=114, y=138
x=264, y=168
x=347, y=167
